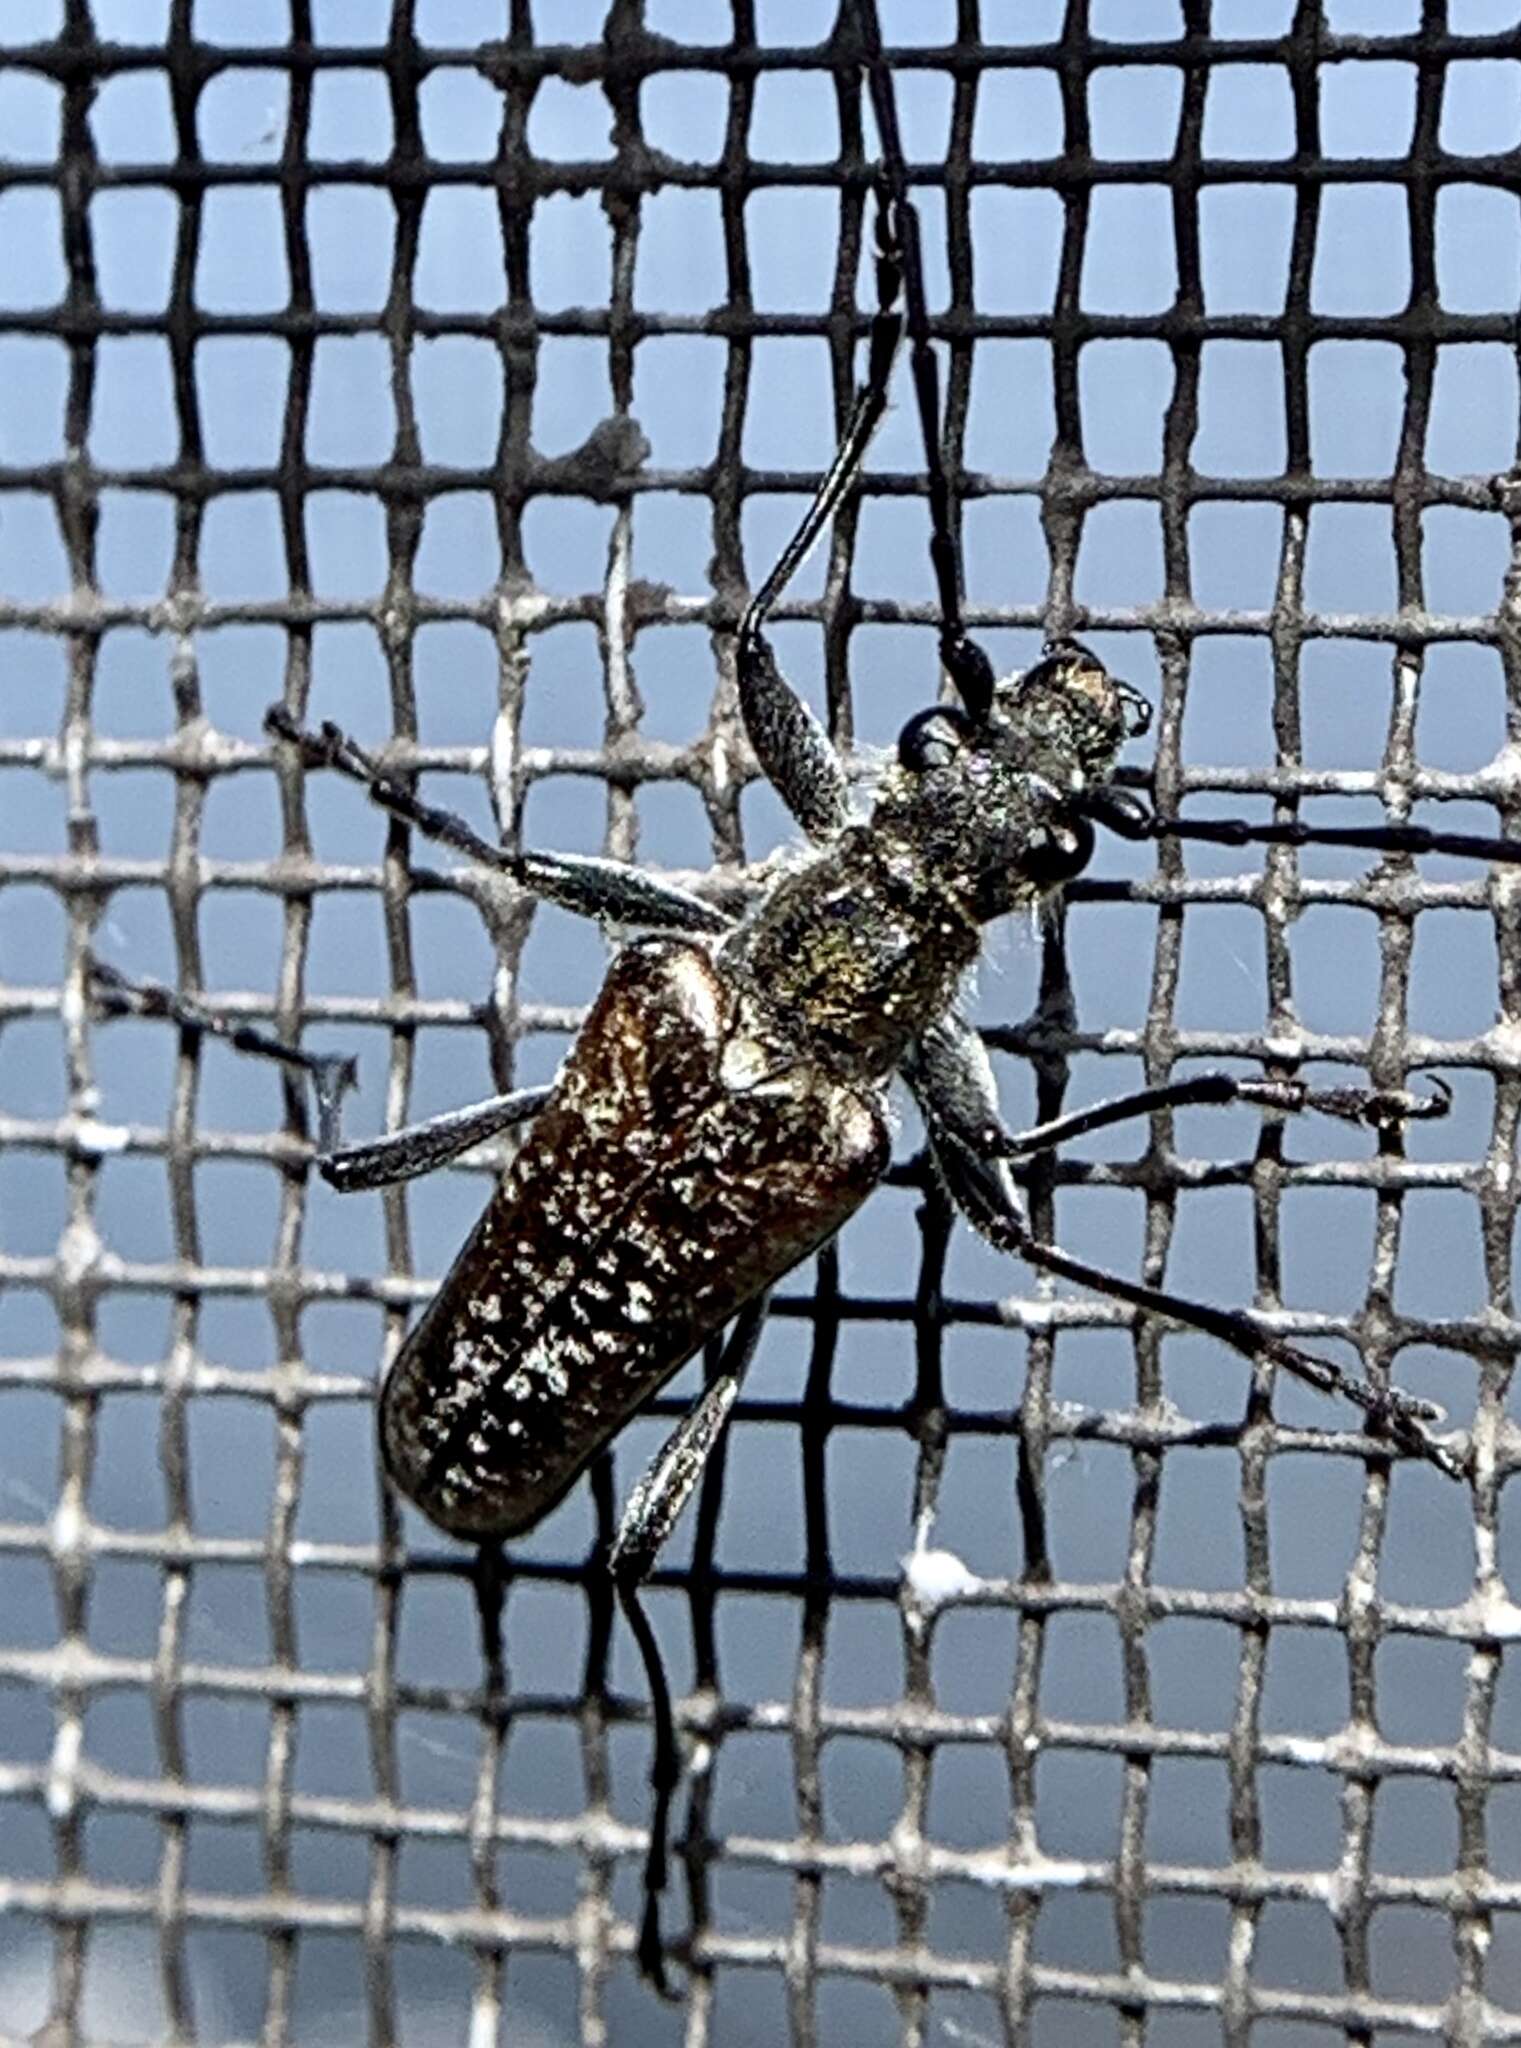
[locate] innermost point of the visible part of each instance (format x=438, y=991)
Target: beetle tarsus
x=488, y=1582
x=332, y=1074
x=1383, y=1108
x=665, y=1775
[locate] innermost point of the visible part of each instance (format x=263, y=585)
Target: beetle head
x=989, y=801
x=1068, y=711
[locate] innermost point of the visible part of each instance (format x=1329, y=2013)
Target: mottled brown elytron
x=648, y=1203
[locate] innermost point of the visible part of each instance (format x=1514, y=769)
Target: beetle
x=723, y=1110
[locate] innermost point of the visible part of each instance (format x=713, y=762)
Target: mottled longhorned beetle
x=724, y=1108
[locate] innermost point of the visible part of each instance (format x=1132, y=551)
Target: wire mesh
x=450, y=369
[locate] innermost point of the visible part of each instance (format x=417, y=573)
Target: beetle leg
x=417, y=1148
x=1384, y=1108
x=333, y=1074
x=372, y=1162
x=653, y=1509
x=982, y=1187
x=795, y=753
x=948, y=1069
x=617, y=892
x=587, y=884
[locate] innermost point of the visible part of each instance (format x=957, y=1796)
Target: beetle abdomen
x=651, y=1199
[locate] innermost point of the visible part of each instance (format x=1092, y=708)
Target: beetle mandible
x=723, y=1110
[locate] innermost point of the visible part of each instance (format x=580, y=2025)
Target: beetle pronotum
x=723, y=1110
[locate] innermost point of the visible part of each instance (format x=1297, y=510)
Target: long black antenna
x=966, y=664
x=1128, y=815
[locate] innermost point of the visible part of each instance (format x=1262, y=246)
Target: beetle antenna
x=1128, y=816
x=898, y=241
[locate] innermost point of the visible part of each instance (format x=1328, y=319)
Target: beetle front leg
x=653, y=1509
x=795, y=753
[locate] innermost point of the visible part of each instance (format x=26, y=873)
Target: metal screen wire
x=451, y=369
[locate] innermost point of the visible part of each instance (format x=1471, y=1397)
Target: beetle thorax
x=974, y=825
x=853, y=954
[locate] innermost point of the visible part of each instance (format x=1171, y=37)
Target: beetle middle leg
x=796, y=755
x=948, y=1070
x=954, y=1084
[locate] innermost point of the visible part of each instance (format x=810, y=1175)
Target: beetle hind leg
x=984, y=1193
x=418, y=1148
x=651, y=1513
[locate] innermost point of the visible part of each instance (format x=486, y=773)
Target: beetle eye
x=933, y=738
x=1062, y=852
